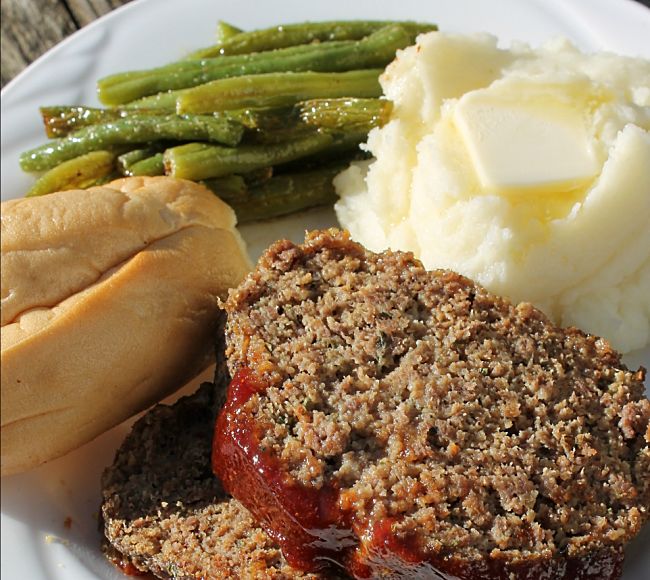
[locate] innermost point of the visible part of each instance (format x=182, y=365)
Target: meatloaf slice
x=405, y=423
x=165, y=512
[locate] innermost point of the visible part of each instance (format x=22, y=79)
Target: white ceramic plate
x=49, y=522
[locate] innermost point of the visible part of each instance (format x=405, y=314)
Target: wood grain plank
x=29, y=28
x=85, y=11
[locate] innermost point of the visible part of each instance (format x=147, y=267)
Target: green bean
x=131, y=130
x=284, y=194
x=128, y=159
x=277, y=89
x=251, y=118
x=345, y=146
x=165, y=102
x=226, y=31
x=293, y=129
x=150, y=166
x=264, y=119
x=258, y=175
x=287, y=35
x=373, y=51
x=201, y=161
x=77, y=173
x=61, y=121
x=228, y=187
x=187, y=73
x=345, y=113
x=236, y=186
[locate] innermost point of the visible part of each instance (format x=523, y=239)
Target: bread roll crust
x=109, y=301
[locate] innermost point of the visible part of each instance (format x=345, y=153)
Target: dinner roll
x=109, y=303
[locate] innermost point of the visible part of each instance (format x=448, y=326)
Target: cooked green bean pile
x=264, y=118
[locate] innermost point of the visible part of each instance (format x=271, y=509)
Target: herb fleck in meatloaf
x=165, y=512
x=406, y=423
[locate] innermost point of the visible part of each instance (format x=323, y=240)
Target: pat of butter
x=536, y=145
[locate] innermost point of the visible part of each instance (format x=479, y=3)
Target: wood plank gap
x=71, y=13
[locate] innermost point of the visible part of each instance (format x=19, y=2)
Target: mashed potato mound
x=575, y=243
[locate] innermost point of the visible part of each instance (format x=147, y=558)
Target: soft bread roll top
x=109, y=303
x=57, y=245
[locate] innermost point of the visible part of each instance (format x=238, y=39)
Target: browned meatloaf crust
x=407, y=423
x=165, y=512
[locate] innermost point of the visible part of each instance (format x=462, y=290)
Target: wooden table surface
x=30, y=27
